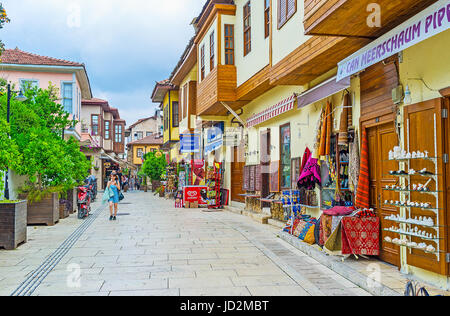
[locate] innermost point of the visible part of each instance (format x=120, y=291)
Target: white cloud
x=126, y=45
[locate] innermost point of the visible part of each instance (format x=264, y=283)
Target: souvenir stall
x=214, y=185
x=343, y=223
x=171, y=180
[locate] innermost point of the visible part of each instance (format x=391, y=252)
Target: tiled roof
x=149, y=140
x=16, y=56
x=154, y=117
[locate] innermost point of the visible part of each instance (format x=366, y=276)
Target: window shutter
x=291, y=6
x=281, y=11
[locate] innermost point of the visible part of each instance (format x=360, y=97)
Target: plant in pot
x=51, y=164
x=154, y=166
x=13, y=214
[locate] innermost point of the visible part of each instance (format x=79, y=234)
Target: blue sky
x=126, y=45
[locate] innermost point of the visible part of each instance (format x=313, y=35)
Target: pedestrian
x=114, y=186
x=132, y=183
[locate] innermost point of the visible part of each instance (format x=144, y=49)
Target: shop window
x=266, y=18
x=286, y=9
x=211, y=52
x=285, y=154
x=247, y=29
x=175, y=114
x=229, y=44
x=95, y=125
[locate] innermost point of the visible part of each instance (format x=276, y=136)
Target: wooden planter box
x=45, y=212
x=72, y=195
x=155, y=185
x=13, y=224
x=63, y=211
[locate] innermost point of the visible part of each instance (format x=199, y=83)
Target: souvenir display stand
x=171, y=179
x=416, y=233
x=214, y=184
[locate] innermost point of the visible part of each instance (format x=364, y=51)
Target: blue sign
x=214, y=139
x=189, y=143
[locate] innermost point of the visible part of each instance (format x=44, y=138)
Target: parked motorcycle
x=91, y=181
x=84, y=201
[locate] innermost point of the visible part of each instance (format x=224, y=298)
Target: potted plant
x=13, y=224
x=51, y=164
x=154, y=166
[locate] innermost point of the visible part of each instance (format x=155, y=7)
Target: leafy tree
x=3, y=20
x=50, y=163
x=9, y=154
x=154, y=165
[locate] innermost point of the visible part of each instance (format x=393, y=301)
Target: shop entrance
x=237, y=175
x=383, y=138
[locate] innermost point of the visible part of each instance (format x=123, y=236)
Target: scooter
x=84, y=201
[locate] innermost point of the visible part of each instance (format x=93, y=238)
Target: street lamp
x=21, y=98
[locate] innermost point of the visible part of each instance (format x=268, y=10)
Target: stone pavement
x=155, y=249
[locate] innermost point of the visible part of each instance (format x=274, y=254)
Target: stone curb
x=339, y=267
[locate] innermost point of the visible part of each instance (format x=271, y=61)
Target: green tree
x=154, y=165
x=3, y=20
x=50, y=163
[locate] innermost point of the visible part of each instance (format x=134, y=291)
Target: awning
x=108, y=157
x=323, y=91
x=276, y=110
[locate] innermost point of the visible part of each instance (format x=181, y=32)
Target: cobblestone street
x=155, y=249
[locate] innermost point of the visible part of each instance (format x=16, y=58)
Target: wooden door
x=423, y=120
x=382, y=139
x=237, y=175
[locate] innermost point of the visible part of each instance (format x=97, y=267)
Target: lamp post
x=20, y=98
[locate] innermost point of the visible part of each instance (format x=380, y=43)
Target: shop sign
x=428, y=23
x=189, y=143
x=214, y=138
x=232, y=137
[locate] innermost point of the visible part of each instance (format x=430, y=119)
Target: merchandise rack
x=407, y=194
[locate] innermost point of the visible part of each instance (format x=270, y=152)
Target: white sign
x=430, y=22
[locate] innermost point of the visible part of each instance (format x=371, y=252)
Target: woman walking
x=114, y=186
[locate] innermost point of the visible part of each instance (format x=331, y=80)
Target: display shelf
x=434, y=193
x=437, y=252
x=418, y=207
x=427, y=176
x=410, y=223
x=433, y=159
x=412, y=235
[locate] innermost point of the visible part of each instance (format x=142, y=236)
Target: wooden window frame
x=212, y=51
x=202, y=62
x=121, y=129
x=185, y=105
x=267, y=18
x=229, y=52
x=98, y=125
x=288, y=16
x=107, y=130
x=281, y=159
x=247, y=30
x=175, y=114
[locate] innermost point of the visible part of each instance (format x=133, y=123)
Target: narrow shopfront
x=378, y=114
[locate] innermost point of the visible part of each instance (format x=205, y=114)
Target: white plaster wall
x=258, y=58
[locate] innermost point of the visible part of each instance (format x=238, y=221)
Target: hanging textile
x=305, y=159
x=318, y=133
x=353, y=168
x=310, y=176
x=362, y=199
x=323, y=135
x=329, y=129
x=343, y=128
